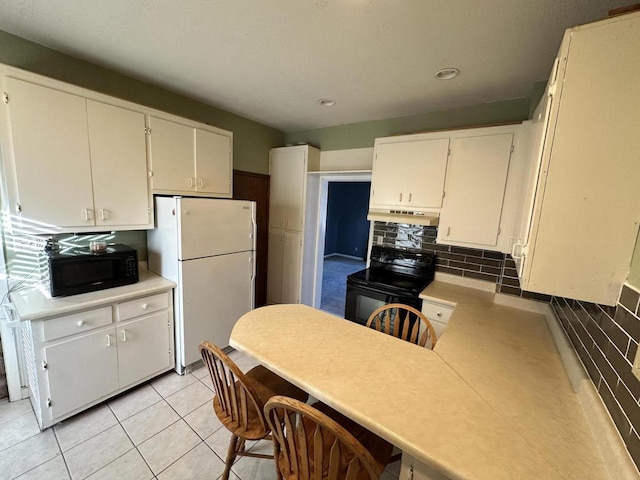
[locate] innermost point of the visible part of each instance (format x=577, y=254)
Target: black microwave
x=79, y=270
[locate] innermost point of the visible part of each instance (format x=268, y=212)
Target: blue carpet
x=334, y=282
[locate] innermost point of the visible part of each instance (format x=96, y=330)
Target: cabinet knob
x=145, y=306
x=439, y=314
x=80, y=323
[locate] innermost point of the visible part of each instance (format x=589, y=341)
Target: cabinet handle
x=108, y=340
x=410, y=198
x=200, y=183
x=104, y=214
x=410, y=477
x=190, y=182
x=87, y=214
x=145, y=306
x=448, y=231
x=80, y=323
x=124, y=335
x=400, y=198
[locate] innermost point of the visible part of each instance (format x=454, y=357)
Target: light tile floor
x=164, y=429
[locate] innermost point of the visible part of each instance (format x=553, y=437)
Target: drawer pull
x=439, y=314
x=108, y=340
x=410, y=473
x=124, y=335
x=80, y=323
x=145, y=306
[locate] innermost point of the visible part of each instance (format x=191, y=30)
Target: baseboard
x=344, y=256
x=612, y=448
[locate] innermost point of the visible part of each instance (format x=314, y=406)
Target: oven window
x=365, y=306
x=74, y=274
x=362, y=301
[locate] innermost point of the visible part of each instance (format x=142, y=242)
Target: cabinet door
x=172, y=153
x=81, y=371
x=143, y=347
x=291, y=271
x=275, y=263
x=118, y=164
x=476, y=180
x=288, y=171
x=213, y=163
x=410, y=174
x=51, y=155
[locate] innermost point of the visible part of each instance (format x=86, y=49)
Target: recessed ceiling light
x=447, y=73
x=326, y=102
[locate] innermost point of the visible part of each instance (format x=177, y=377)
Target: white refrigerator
x=207, y=247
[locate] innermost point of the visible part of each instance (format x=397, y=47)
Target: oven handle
x=380, y=291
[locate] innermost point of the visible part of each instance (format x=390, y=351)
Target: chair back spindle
x=404, y=322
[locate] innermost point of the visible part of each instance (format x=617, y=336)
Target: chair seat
x=266, y=384
x=379, y=448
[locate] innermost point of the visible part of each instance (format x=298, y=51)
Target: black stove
x=394, y=276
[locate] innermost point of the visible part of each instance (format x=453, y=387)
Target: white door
x=214, y=227
x=172, y=153
x=275, y=261
x=118, y=164
x=214, y=163
x=81, y=371
x=288, y=170
x=216, y=292
x=476, y=181
x=291, y=271
x=51, y=153
x=143, y=347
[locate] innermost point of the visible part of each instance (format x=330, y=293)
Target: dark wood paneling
x=255, y=186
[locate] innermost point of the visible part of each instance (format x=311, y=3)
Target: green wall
x=363, y=134
x=251, y=140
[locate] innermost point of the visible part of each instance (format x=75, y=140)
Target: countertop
x=35, y=303
x=492, y=401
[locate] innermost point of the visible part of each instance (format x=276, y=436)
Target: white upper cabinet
x=52, y=172
x=74, y=164
x=172, y=153
x=118, y=165
x=214, y=163
x=190, y=158
x=288, y=167
x=475, y=188
x=409, y=172
x=586, y=207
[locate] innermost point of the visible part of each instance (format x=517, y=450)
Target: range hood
x=429, y=219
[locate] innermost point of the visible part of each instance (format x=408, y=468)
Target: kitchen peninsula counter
x=492, y=401
x=35, y=303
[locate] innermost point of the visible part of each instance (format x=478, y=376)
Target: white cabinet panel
x=211, y=302
x=172, y=155
x=51, y=155
x=412, y=469
x=409, y=173
x=76, y=323
x=275, y=265
x=81, y=370
x=476, y=180
x=214, y=167
x=288, y=169
x=143, y=347
x=118, y=165
x=291, y=269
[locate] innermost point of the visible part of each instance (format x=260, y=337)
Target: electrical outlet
x=635, y=369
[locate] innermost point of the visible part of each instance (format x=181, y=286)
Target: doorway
x=341, y=236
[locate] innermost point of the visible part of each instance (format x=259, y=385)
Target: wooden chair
x=314, y=442
x=405, y=322
x=240, y=398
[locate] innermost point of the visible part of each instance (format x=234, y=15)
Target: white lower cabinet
x=438, y=314
x=77, y=360
x=412, y=469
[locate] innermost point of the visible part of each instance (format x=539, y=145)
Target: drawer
x=76, y=323
x=142, y=306
x=436, y=312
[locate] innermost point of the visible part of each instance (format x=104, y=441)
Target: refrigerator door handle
x=254, y=228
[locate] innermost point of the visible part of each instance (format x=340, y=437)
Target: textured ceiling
x=271, y=60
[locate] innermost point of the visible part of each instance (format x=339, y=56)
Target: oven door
x=361, y=301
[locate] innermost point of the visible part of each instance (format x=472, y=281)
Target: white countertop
x=36, y=303
x=493, y=401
